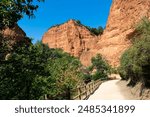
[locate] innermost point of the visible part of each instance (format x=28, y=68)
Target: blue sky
x=92, y=13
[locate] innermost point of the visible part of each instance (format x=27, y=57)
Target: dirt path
x=112, y=90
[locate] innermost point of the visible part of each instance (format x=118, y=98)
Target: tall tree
x=11, y=11
x=135, y=62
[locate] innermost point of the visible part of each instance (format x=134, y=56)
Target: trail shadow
x=124, y=90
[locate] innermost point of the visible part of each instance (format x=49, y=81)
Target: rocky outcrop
x=11, y=38
x=14, y=35
x=15, y=32
x=123, y=17
x=73, y=38
x=78, y=41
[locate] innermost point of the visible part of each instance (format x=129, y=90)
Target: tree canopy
x=96, y=31
x=99, y=69
x=135, y=62
x=37, y=72
x=11, y=11
x=33, y=71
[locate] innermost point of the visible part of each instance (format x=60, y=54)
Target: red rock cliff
x=16, y=32
x=78, y=41
x=72, y=38
x=124, y=15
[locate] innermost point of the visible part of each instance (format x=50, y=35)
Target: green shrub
x=135, y=62
x=35, y=71
x=95, y=31
x=65, y=71
x=11, y=11
x=18, y=74
x=98, y=75
x=87, y=78
x=101, y=66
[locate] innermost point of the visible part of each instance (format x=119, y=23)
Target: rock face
x=72, y=38
x=12, y=37
x=124, y=15
x=16, y=32
x=78, y=41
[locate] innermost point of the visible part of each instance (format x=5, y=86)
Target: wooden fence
x=83, y=92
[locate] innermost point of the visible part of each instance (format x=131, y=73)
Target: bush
x=11, y=11
x=20, y=72
x=66, y=75
x=135, y=62
x=87, y=78
x=95, y=31
x=101, y=66
x=36, y=72
x=98, y=75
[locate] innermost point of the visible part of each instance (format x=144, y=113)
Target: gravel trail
x=112, y=90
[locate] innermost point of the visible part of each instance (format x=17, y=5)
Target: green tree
x=135, y=62
x=96, y=31
x=37, y=72
x=65, y=72
x=4, y=47
x=79, y=22
x=23, y=74
x=101, y=66
x=11, y=11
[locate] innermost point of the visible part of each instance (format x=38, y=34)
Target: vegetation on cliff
x=135, y=62
x=95, y=31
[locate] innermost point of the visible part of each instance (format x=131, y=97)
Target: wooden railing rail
x=84, y=91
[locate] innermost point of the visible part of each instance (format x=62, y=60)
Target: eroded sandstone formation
x=15, y=32
x=123, y=17
x=77, y=40
x=12, y=38
x=72, y=38
x=14, y=35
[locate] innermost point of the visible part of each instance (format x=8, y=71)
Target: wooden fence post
x=80, y=97
x=83, y=92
